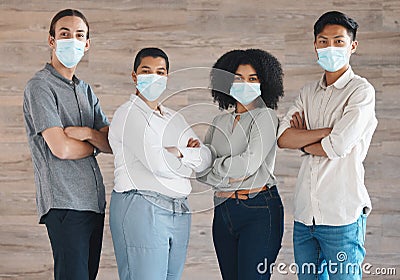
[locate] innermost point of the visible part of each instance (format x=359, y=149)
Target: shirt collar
x=54, y=72
x=341, y=82
x=143, y=106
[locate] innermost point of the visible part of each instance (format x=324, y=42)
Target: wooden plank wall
x=194, y=33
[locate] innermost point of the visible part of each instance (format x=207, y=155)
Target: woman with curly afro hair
x=248, y=213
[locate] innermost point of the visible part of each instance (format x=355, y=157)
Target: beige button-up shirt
x=331, y=189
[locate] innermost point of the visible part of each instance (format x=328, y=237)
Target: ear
x=87, y=46
x=134, y=77
x=315, y=49
x=51, y=41
x=354, y=46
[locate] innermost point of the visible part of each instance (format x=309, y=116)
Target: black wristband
x=302, y=149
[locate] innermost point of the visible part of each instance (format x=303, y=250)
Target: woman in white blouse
x=155, y=153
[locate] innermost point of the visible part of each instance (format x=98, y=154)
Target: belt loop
x=269, y=191
x=237, y=197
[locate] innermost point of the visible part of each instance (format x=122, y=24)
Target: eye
x=253, y=79
x=160, y=73
x=81, y=35
x=237, y=79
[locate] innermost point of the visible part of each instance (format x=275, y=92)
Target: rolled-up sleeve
x=358, y=117
x=197, y=159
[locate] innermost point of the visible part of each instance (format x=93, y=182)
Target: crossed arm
x=76, y=142
x=298, y=136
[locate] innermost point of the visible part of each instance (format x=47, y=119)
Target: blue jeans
x=150, y=241
x=330, y=252
x=247, y=235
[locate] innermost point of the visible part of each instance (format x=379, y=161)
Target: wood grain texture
x=194, y=33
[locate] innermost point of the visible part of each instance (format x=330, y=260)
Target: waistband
x=241, y=194
x=220, y=197
x=174, y=205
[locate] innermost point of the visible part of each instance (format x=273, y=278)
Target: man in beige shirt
x=332, y=122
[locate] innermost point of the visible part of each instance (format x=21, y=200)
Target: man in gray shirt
x=66, y=129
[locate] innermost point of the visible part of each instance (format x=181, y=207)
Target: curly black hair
x=268, y=69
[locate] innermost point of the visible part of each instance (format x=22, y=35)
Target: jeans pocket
x=363, y=227
x=61, y=214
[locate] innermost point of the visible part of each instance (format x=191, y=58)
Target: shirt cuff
x=191, y=157
x=281, y=129
x=327, y=146
x=176, y=166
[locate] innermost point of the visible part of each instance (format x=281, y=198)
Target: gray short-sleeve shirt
x=50, y=100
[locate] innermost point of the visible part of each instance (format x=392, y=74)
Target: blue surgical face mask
x=245, y=93
x=151, y=86
x=333, y=59
x=70, y=51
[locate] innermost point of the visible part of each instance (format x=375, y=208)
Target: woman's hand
x=193, y=143
x=175, y=151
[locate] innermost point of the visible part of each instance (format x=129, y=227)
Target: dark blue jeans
x=76, y=239
x=247, y=235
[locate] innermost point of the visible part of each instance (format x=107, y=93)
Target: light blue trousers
x=150, y=235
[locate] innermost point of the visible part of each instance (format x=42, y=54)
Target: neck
x=332, y=77
x=67, y=73
x=152, y=104
x=240, y=108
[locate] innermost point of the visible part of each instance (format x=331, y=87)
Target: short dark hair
x=153, y=52
x=268, y=69
x=337, y=18
x=67, y=13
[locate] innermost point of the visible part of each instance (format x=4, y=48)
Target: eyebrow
x=238, y=74
x=148, y=67
x=324, y=37
x=64, y=28
x=67, y=29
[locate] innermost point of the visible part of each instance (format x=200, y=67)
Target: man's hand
x=298, y=121
x=78, y=132
x=193, y=143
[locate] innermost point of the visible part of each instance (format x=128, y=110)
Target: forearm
x=74, y=149
x=99, y=139
x=315, y=149
x=294, y=138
